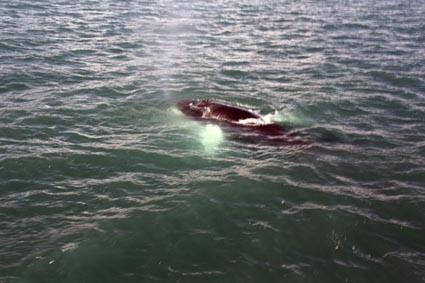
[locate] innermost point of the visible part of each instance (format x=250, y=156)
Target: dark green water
x=102, y=180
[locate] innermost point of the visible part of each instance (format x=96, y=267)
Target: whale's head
x=193, y=108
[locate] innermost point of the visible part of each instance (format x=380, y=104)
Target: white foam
x=254, y=122
x=288, y=118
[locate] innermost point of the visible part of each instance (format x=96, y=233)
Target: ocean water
x=103, y=180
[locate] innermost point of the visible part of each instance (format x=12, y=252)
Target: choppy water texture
x=102, y=180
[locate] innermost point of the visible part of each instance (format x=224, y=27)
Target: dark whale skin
x=238, y=117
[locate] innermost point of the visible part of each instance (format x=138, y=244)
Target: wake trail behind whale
x=289, y=118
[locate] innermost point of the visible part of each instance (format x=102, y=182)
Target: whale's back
x=230, y=113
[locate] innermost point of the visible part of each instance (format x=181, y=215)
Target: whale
x=243, y=119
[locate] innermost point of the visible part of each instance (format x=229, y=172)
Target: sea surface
x=102, y=179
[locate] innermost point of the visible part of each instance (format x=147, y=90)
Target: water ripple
x=97, y=167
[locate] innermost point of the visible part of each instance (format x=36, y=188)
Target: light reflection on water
x=211, y=138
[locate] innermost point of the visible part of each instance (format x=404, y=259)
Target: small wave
x=295, y=267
